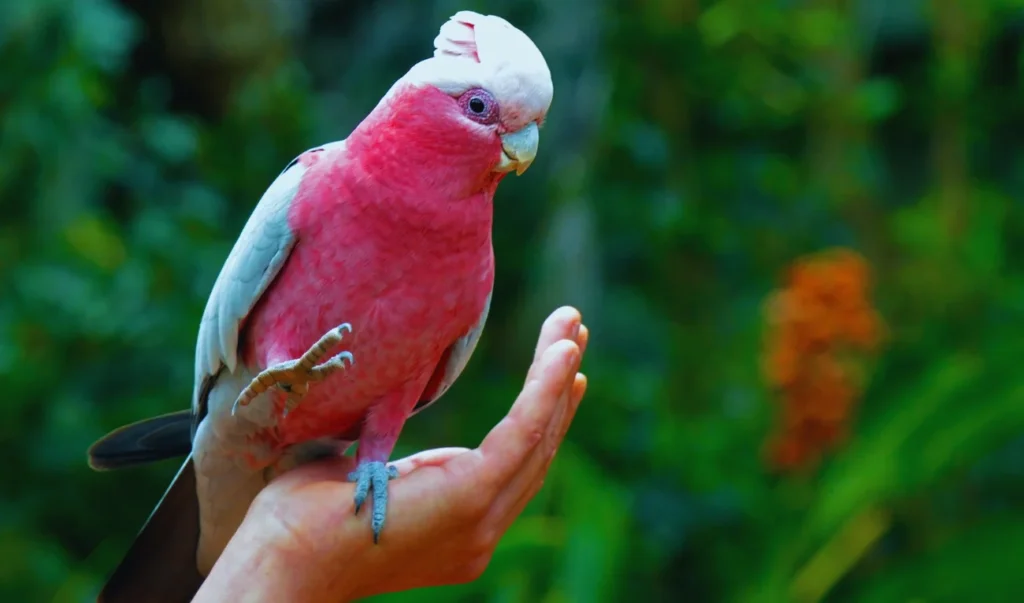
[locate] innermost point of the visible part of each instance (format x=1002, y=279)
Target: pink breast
x=408, y=291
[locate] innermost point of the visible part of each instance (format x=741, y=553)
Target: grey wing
x=255, y=260
x=454, y=361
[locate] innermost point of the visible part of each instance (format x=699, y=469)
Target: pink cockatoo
x=352, y=300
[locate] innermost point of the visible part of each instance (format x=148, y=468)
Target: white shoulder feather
x=255, y=260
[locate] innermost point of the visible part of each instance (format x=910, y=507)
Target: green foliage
x=694, y=149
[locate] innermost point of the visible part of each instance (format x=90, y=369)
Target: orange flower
x=821, y=315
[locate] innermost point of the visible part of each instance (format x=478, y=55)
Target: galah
x=353, y=299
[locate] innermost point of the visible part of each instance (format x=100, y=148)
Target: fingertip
x=583, y=338
x=568, y=314
x=576, y=389
x=560, y=324
x=558, y=362
x=579, y=388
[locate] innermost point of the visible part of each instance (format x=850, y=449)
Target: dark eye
x=479, y=105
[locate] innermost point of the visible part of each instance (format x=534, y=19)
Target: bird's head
x=485, y=92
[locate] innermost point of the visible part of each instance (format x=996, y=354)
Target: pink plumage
x=406, y=241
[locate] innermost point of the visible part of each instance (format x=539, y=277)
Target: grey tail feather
x=146, y=441
x=160, y=566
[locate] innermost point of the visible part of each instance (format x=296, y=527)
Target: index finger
x=510, y=442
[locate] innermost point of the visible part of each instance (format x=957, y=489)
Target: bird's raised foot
x=373, y=475
x=294, y=376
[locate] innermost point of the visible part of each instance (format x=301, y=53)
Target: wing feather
x=454, y=361
x=253, y=264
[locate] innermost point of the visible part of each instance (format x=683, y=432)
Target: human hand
x=301, y=540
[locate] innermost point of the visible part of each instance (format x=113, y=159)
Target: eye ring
x=480, y=106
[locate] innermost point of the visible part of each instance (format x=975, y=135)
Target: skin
x=297, y=543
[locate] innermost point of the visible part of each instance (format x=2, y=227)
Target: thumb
x=427, y=458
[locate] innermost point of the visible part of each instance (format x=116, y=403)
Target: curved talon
x=337, y=362
x=294, y=376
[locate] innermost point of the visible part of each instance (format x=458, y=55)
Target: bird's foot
x=294, y=376
x=373, y=475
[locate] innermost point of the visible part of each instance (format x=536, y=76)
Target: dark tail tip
x=160, y=566
x=143, y=442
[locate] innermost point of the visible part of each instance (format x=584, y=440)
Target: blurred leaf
x=596, y=537
x=96, y=241
x=875, y=467
x=980, y=562
x=878, y=99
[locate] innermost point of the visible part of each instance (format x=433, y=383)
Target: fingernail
x=580, y=399
x=576, y=331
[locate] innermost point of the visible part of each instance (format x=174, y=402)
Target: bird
x=353, y=299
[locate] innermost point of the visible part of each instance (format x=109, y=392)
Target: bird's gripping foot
x=373, y=475
x=295, y=376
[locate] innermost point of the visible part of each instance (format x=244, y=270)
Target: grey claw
x=341, y=357
x=336, y=335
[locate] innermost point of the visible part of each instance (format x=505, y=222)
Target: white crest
x=483, y=51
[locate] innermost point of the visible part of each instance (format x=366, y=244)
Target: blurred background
x=795, y=229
